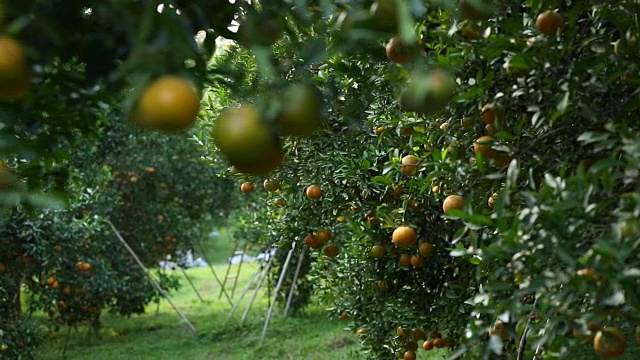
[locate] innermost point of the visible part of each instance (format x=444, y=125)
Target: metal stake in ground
x=151, y=279
x=275, y=292
x=255, y=276
x=295, y=280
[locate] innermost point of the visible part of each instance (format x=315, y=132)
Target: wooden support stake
x=213, y=271
x=151, y=279
x=255, y=276
x=193, y=286
x=295, y=279
x=253, y=297
x=275, y=293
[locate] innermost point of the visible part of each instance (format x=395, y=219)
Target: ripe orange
x=247, y=141
x=439, y=343
x=407, y=131
x=314, y=192
x=410, y=165
x=344, y=316
x=549, y=22
x=55, y=285
x=378, y=251
x=150, y=170
x=271, y=186
x=593, y=326
x=302, y=111
x=85, y=267
x=453, y=202
x=418, y=334
x=482, y=146
x=379, y=130
x=412, y=346
x=382, y=285
x=15, y=73
x=247, y=187
x=332, y=250
x=491, y=112
x=491, y=202
x=396, y=192
x=435, y=189
x=404, y=236
x=50, y=281
x=609, y=342
x=426, y=249
x=404, y=260
x=409, y=355
x=67, y=291
x=323, y=236
x=312, y=242
x=397, y=51
x=400, y=331
x=168, y=104
x=427, y=345
x=417, y=261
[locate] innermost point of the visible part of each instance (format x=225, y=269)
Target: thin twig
x=523, y=338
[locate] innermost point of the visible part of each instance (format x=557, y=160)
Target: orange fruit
x=384, y=15
x=482, y=145
x=427, y=93
x=497, y=328
x=50, y=281
x=382, y=285
x=453, y=202
x=549, y=22
x=409, y=355
x=341, y=219
x=66, y=291
x=15, y=73
x=312, y=242
x=168, y=104
x=379, y=130
x=378, y=252
x=279, y=202
x=427, y=345
x=332, y=250
x=439, y=343
x=362, y=332
x=404, y=236
x=344, y=316
x=407, y=131
x=404, y=260
x=247, y=187
x=418, y=334
x=323, y=236
x=400, y=331
x=491, y=202
x=491, y=112
x=397, y=51
x=396, y=191
x=410, y=165
x=417, y=261
x=247, y=141
x=271, y=186
x=314, y=192
x=55, y=285
x=301, y=115
x=609, y=342
x=86, y=267
x=435, y=189
x=412, y=346
x=593, y=326
x=426, y=249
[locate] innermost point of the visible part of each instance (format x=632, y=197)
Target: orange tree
x=475, y=166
